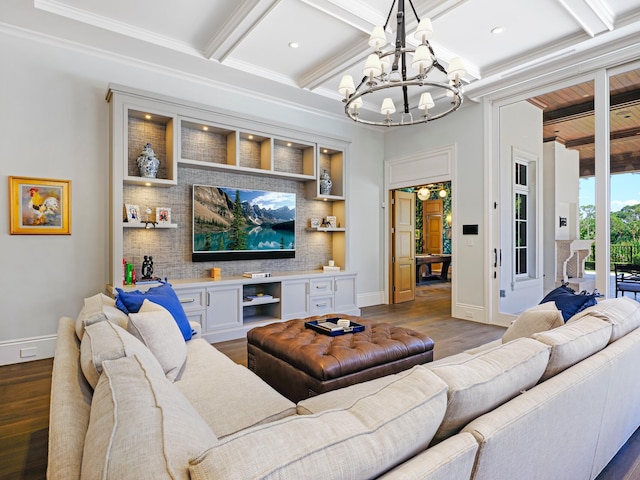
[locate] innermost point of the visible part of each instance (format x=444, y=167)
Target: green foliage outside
x=237, y=234
x=625, y=232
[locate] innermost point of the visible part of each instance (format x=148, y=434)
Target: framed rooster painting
x=39, y=206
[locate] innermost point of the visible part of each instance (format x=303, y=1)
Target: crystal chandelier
x=385, y=73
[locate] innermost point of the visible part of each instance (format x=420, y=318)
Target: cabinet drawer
x=192, y=298
x=320, y=305
x=320, y=286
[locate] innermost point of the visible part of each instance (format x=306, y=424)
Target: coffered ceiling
x=221, y=38
x=248, y=44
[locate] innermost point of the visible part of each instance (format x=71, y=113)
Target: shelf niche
x=158, y=130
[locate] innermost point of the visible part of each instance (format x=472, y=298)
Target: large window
x=521, y=230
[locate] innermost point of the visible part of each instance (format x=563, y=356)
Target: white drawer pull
x=321, y=287
x=187, y=300
x=320, y=305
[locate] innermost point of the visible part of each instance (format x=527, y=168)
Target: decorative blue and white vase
x=148, y=163
x=325, y=183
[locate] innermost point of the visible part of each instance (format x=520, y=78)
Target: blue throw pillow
x=568, y=302
x=130, y=302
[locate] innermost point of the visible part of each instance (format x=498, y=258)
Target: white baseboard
x=370, y=299
x=469, y=312
x=27, y=349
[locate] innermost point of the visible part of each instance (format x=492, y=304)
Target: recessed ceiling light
x=497, y=30
x=294, y=44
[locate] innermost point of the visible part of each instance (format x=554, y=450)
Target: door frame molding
x=438, y=165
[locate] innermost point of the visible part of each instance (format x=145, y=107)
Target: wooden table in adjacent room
x=427, y=260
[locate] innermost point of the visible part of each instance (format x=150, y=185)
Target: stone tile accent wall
x=171, y=248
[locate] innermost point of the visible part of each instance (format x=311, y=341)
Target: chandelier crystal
x=385, y=75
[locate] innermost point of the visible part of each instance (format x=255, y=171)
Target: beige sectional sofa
x=555, y=403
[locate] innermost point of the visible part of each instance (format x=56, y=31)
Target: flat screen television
x=242, y=224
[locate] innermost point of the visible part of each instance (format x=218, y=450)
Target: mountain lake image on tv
x=239, y=224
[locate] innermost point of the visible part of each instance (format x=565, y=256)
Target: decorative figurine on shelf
x=148, y=163
x=147, y=268
x=325, y=183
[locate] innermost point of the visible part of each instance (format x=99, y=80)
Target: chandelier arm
x=414, y=12
x=405, y=96
x=389, y=16
x=439, y=67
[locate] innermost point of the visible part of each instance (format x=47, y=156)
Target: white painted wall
x=520, y=129
x=561, y=195
x=464, y=130
x=54, y=124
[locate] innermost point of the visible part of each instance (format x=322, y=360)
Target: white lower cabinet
x=344, y=290
x=228, y=309
x=224, y=307
x=295, y=299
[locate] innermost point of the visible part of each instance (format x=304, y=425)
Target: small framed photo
x=332, y=221
x=315, y=222
x=131, y=213
x=163, y=215
x=39, y=206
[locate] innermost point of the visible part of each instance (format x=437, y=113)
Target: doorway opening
x=420, y=242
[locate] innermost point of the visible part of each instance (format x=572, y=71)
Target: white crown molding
x=241, y=23
x=58, y=8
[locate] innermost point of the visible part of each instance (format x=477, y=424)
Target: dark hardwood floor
x=25, y=387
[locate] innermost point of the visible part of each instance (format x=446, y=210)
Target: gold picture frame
x=39, y=206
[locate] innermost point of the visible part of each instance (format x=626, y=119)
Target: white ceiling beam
x=242, y=21
x=594, y=16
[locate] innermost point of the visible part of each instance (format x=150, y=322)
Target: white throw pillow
x=485, y=381
x=573, y=343
x=141, y=425
x=107, y=341
x=364, y=438
x=98, y=308
x=622, y=313
x=536, y=319
x=155, y=327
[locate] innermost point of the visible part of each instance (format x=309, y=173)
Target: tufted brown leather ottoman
x=299, y=362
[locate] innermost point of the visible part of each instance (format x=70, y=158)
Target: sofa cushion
x=536, y=319
x=247, y=400
x=97, y=308
x=107, y=341
x=157, y=329
x=484, y=381
x=622, y=313
x=573, y=342
x=130, y=302
x=371, y=435
x=141, y=426
x=568, y=302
